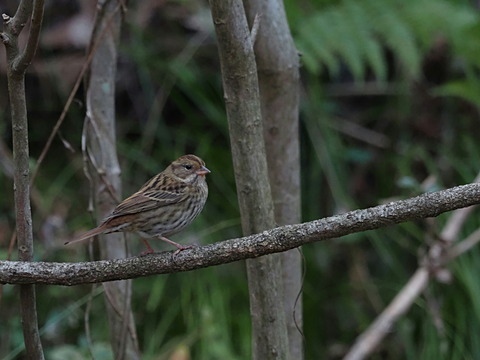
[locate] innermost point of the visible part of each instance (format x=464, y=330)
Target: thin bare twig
x=361, y=133
x=89, y=158
x=71, y=97
x=432, y=264
x=60, y=120
x=383, y=323
x=127, y=325
x=86, y=321
x=462, y=247
x=255, y=26
x=370, y=338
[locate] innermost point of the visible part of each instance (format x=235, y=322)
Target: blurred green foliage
x=389, y=110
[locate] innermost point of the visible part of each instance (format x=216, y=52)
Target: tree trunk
x=278, y=76
x=105, y=171
x=17, y=62
x=253, y=189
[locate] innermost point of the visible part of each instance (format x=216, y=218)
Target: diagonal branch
x=432, y=263
x=270, y=241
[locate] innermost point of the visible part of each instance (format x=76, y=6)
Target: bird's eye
x=188, y=167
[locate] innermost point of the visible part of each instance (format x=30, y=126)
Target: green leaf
x=388, y=24
x=465, y=89
x=364, y=36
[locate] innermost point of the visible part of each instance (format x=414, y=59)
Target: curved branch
x=26, y=56
x=17, y=23
x=270, y=241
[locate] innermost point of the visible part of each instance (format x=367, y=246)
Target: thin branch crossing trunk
x=104, y=170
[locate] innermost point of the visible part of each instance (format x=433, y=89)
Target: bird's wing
x=148, y=200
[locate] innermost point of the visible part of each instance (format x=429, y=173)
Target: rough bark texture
x=278, y=76
x=105, y=171
x=239, y=72
x=270, y=241
x=17, y=63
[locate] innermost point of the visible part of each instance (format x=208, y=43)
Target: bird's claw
x=147, y=252
x=181, y=248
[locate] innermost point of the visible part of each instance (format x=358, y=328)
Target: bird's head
x=188, y=168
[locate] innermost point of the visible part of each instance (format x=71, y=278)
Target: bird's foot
x=177, y=245
x=180, y=248
x=149, y=250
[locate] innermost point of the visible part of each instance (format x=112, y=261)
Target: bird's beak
x=202, y=171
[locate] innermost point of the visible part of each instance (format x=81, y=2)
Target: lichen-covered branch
x=270, y=241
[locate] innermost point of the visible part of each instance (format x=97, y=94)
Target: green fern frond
x=430, y=19
x=349, y=48
x=467, y=44
x=365, y=38
x=395, y=33
x=355, y=34
x=314, y=43
x=465, y=89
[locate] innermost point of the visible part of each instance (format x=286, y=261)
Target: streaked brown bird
x=164, y=206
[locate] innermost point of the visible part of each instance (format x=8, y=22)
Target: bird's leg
x=177, y=245
x=149, y=250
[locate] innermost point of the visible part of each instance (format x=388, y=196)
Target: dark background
x=389, y=110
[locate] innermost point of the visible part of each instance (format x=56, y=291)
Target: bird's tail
x=87, y=235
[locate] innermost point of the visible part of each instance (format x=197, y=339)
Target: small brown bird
x=165, y=205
